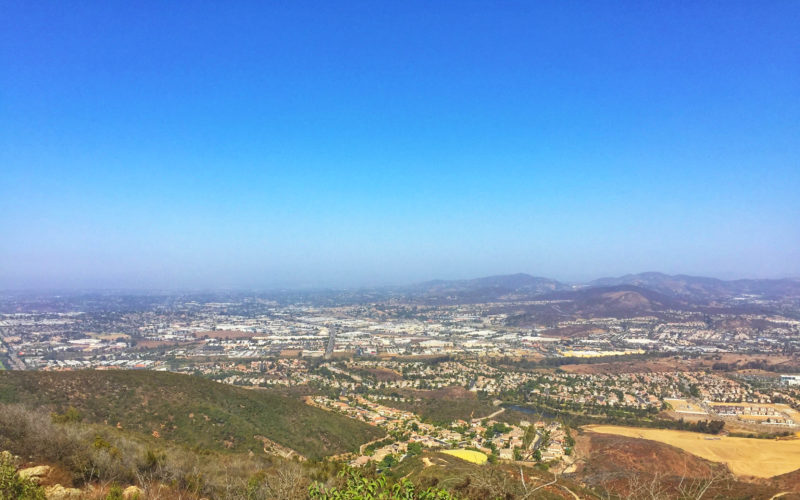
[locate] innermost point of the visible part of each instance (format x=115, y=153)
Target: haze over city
x=302, y=145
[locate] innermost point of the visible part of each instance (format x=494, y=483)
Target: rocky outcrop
x=133, y=493
x=34, y=474
x=58, y=492
x=44, y=476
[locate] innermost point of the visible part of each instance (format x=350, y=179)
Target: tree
x=530, y=433
x=388, y=461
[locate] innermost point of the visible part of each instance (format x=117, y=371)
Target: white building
x=790, y=379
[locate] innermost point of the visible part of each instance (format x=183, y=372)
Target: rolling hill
x=698, y=288
x=189, y=410
x=684, y=287
x=613, y=300
x=489, y=288
x=637, y=468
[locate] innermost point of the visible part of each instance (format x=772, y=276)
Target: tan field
x=475, y=457
x=745, y=457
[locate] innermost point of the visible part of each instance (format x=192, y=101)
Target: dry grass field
x=475, y=457
x=762, y=458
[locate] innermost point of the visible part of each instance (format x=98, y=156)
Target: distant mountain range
x=627, y=291
x=519, y=282
x=701, y=288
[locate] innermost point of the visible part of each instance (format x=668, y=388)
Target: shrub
x=358, y=487
x=71, y=416
x=114, y=493
x=12, y=487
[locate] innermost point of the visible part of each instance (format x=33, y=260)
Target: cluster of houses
x=764, y=414
x=537, y=441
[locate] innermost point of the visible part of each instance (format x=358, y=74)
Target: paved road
x=14, y=361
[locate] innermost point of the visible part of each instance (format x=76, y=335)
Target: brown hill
x=638, y=468
x=788, y=482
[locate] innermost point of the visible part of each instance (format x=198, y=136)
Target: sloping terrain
x=189, y=410
x=615, y=301
x=639, y=468
x=762, y=458
x=620, y=298
x=445, y=405
x=470, y=481
x=788, y=482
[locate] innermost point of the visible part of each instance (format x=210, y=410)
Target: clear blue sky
x=261, y=144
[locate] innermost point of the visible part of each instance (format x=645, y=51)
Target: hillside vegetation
x=41, y=458
x=188, y=410
x=101, y=462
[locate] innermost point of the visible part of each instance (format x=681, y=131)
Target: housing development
x=498, y=374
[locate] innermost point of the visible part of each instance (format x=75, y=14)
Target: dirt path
x=570, y=492
x=364, y=446
x=498, y=412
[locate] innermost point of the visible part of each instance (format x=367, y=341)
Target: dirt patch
x=384, y=374
x=452, y=392
x=635, y=366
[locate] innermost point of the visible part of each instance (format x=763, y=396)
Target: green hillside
x=189, y=410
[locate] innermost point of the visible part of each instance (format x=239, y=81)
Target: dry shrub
x=105, y=456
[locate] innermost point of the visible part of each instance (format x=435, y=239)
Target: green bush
x=358, y=487
x=414, y=449
x=71, y=416
x=12, y=487
x=114, y=493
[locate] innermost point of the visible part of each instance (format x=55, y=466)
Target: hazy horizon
x=251, y=146
x=355, y=286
